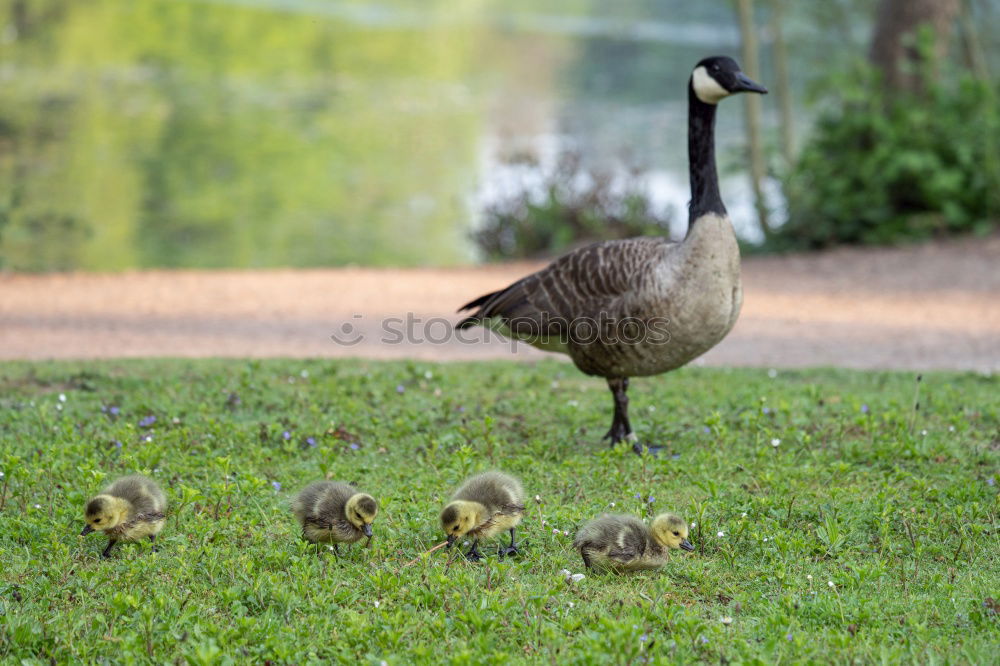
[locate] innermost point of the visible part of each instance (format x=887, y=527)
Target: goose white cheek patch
x=706, y=88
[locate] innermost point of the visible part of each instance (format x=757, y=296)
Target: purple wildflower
x=400, y=388
x=311, y=441
x=355, y=446
x=643, y=638
x=766, y=410
x=704, y=641
x=864, y=408
x=675, y=456
x=651, y=499
x=114, y=410
x=148, y=421
x=706, y=430
x=276, y=485
x=118, y=444
x=991, y=481
x=788, y=636
x=286, y=435
x=638, y=496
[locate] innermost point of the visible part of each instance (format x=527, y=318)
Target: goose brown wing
x=583, y=283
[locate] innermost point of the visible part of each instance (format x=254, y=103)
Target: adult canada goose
x=640, y=306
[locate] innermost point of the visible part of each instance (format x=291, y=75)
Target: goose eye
x=715, y=67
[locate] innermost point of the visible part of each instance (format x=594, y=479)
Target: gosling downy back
x=322, y=510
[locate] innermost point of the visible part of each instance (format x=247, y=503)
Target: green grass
x=897, y=507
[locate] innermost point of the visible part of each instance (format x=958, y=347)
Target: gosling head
x=718, y=77
x=459, y=518
x=361, y=510
x=671, y=531
x=104, y=512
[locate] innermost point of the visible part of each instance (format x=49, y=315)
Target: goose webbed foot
x=107, y=551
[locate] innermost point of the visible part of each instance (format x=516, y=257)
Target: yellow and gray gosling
x=485, y=505
x=334, y=513
x=130, y=509
x=625, y=543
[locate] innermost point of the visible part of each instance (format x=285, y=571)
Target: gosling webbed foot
x=107, y=551
x=504, y=551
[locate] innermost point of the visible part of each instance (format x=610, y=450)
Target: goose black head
x=719, y=76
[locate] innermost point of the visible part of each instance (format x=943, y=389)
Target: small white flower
x=304, y=374
x=744, y=514
x=428, y=375
x=775, y=442
x=576, y=578
x=544, y=523
x=951, y=428
x=694, y=524
x=772, y=373
x=612, y=505
x=38, y=506
x=573, y=403
x=383, y=663
x=59, y=408
x=652, y=408
x=565, y=533
x=555, y=384
x=175, y=421
x=830, y=583
x=330, y=548
x=726, y=620
x=722, y=534
x=1, y=475
x=538, y=498
x=555, y=531
x=809, y=577
x=62, y=397
x=571, y=604
x=765, y=539
x=565, y=573
x=923, y=432
x=377, y=603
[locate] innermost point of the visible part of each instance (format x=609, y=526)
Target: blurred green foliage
x=570, y=206
x=203, y=134
x=883, y=167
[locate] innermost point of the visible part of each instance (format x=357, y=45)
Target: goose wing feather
x=582, y=283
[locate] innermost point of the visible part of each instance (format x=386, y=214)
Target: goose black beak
x=686, y=545
x=367, y=529
x=87, y=529
x=451, y=540
x=745, y=84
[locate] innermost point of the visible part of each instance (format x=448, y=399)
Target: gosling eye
x=677, y=533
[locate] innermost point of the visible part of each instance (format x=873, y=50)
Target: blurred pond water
x=264, y=133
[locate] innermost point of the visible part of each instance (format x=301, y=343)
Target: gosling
x=334, y=513
x=625, y=543
x=485, y=505
x=130, y=509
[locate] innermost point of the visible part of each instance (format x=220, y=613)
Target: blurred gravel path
x=929, y=306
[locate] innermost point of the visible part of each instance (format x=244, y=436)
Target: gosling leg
x=107, y=551
x=474, y=555
x=512, y=548
x=152, y=540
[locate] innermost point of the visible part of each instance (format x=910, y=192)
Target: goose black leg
x=152, y=540
x=107, y=551
x=620, y=426
x=474, y=555
x=511, y=549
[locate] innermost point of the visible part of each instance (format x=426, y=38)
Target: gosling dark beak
x=451, y=540
x=87, y=529
x=686, y=545
x=367, y=529
x=745, y=84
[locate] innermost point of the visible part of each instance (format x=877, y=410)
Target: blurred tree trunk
x=758, y=169
x=893, y=49
x=782, y=81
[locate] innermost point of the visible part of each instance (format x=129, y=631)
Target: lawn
x=833, y=520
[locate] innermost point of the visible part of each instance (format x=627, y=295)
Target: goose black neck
x=705, y=197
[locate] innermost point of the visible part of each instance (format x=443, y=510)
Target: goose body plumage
x=640, y=306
